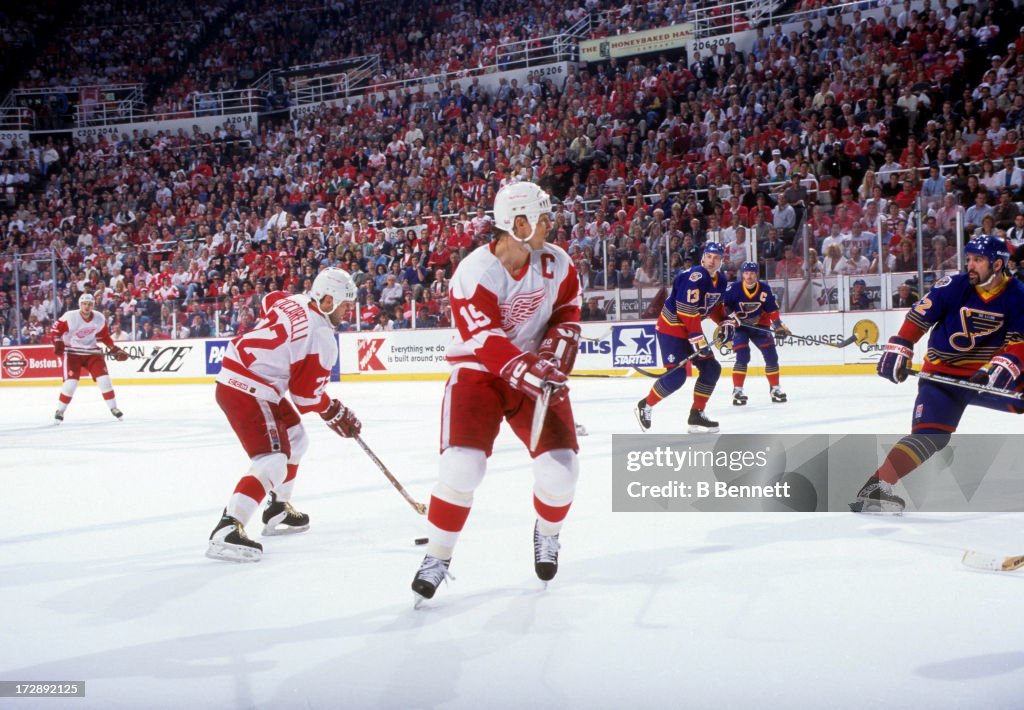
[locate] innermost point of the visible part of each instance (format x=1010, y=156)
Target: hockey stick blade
x=992, y=563
x=540, y=413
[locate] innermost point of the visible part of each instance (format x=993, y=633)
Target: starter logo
x=369, y=351
x=634, y=346
x=15, y=363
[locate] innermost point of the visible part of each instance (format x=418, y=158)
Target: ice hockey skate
x=700, y=424
x=643, y=414
x=877, y=497
x=738, y=398
x=545, y=555
x=118, y=414
x=778, y=395
x=280, y=518
x=58, y=417
x=432, y=570
x=228, y=541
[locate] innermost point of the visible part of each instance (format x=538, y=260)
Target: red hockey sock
x=293, y=470
x=897, y=464
x=550, y=513
x=700, y=401
x=738, y=378
x=447, y=516
x=773, y=379
x=652, y=398
x=250, y=486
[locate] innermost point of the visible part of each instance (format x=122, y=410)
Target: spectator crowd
x=811, y=153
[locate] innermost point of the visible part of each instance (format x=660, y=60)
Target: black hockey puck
x=422, y=540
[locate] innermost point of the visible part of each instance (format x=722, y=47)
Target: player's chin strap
x=989, y=281
x=525, y=241
x=320, y=310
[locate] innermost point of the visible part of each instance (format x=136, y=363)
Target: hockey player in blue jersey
x=696, y=294
x=977, y=334
x=752, y=304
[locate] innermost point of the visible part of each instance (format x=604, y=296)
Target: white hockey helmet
x=520, y=198
x=86, y=298
x=333, y=282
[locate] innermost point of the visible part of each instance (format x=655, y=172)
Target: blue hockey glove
x=896, y=359
x=1002, y=372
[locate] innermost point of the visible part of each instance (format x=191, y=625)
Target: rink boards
x=608, y=348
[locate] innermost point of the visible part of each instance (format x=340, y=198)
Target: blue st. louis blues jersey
x=968, y=324
x=756, y=307
x=696, y=294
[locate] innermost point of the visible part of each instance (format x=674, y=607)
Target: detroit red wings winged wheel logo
x=520, y=309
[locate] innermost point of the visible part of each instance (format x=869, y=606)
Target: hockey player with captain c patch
x=753, y=318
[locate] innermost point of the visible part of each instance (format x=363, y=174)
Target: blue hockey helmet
x=989, y=246
x=714, y=248
x=748, y=266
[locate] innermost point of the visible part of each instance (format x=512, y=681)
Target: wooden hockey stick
x=992, y=563
x=540, y=413
x=417, y=506
x=598, y=339
x=805, y=338
x=964, y=384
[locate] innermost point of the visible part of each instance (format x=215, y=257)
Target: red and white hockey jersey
x=80, y=336
x=292, y=349
x=498, y=315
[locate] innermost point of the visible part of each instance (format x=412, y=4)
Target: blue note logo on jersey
x=215, y=352
x=976, y=324
x=634, y=346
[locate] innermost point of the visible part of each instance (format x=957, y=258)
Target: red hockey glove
x=529, y=373
x=1002, y=372
x=341, y=419
x=560, y=345
x=895, y=360
x=119, y=354
x=58, y=347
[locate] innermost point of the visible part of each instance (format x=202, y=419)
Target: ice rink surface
x=103, y=576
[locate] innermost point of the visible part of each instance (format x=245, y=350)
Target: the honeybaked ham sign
x=659, y=40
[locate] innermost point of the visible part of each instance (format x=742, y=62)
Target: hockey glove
x=560, y=345
x=1002, y=372
x=896, y=358
x=781, y=332
x=119, y=354
x=530, y=373
x=700, y=346
x=58, y=347
x=726, y=330
x=341, y=419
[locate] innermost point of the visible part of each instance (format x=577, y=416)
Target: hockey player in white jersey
x=76, y=337
x=290, y=351
x=516, y=307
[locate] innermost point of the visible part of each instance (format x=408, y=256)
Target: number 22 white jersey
x=292, y=349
